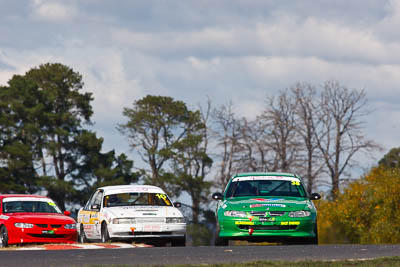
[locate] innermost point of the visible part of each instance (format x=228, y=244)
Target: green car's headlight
x=235, y=213
x=299, y=213
x=124, y=221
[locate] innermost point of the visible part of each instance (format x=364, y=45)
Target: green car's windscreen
x=244, y=188
x=136, y=199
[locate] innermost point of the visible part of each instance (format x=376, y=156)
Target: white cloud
x=50, y=10
x=204, y=65
x=290, y=36
x=240, y=53
x=388, y=27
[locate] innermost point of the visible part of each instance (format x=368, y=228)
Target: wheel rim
x=103, y=234
x=82, y=236
x=2, y=237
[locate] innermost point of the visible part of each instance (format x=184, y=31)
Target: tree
x=93, y=168
x=307, y=126
x=172, y=141
x=303, y=130
x=391, y=159
x=227, y=134
x=156, y=124
x=340, y=112
x=279, y=123
x=191, y=164
x=255, y=153
x=19, y=136
x=366, y=212
x=44, y=144
x=64, y=110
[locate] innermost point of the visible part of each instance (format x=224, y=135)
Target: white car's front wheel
x=82, y=236
x=105, y=237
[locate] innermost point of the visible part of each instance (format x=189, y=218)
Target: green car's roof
x=265, y=174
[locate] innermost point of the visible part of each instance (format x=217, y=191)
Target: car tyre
x=179, y=242
x=220, y=241
x=105, y=237
x=3, y=237
x=82, y=236
x=312, y=240
x=315, y=239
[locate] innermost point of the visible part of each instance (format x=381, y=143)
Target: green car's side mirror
x=217, y=196
x=315, y=196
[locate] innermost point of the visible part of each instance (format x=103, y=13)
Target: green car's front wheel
x=219, y=241
x=315, y=239
x=312, y=240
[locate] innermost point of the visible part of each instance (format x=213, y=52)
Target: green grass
x=387, y=261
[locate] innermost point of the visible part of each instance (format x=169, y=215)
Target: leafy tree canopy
x=171, y=140
x=44, y=145
x=391, y=159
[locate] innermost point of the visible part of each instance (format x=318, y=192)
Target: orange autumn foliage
x=366, y=212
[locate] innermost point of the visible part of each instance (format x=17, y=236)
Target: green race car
x=266, y=207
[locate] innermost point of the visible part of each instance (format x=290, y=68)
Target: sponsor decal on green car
x=271, y=207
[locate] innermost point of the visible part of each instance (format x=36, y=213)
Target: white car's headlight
x=299, y=213
x=175, y=220
x=23, y=225
x=124, y=221
x=70, y=226
x=235, y=213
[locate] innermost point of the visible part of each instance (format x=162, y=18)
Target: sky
x=238, y=51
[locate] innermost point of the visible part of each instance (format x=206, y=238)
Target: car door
x=95, y=210
x=89, y=216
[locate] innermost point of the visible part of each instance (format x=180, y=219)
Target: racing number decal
x=164, y=198
x=295, y=182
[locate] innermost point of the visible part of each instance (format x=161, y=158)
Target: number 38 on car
x=141, y=213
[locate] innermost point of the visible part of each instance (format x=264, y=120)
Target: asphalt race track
x=191, y=255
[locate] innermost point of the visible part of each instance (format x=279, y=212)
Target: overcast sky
x=229, y=50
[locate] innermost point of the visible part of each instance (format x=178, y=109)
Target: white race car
x=138, y=212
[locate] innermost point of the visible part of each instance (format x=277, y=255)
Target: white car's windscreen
x=136, y=199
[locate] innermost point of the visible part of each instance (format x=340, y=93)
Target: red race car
x=34, y=219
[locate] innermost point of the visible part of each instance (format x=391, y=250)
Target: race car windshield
x=20, y=206
x=136, y=199
x=288, y=188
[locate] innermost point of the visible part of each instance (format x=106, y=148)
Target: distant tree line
x=314, y=132
x=45, y=144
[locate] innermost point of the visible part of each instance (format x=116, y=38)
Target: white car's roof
x=115, y=189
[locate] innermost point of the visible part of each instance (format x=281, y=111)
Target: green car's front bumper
x=274, y=230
